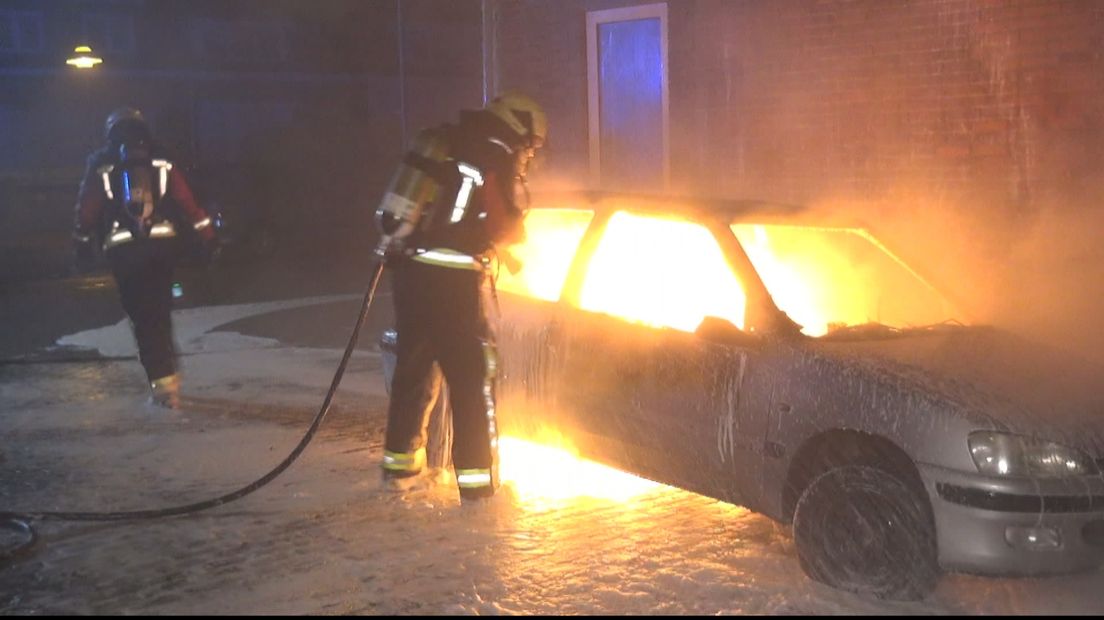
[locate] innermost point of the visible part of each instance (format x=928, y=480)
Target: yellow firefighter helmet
x=523, y=115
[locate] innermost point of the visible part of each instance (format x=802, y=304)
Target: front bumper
x=1016, y=526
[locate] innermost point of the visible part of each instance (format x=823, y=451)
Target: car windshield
x=829, y=279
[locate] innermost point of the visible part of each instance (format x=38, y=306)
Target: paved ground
x=328, y=537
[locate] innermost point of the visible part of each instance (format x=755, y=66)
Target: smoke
x=1050, y=283
x=1036, y=270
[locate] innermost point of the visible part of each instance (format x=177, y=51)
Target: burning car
x=746, y=352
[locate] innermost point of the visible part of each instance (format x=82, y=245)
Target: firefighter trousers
x=143, y=271
x=443, y=331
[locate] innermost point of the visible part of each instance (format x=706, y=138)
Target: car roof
x=692, y=207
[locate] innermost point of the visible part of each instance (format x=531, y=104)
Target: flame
x=667, y=272
x=661, y=272
x=546, y=469
x=552, y=236
x=824, y=277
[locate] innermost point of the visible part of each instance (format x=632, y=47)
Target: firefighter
x=136, y=206
x=451, y=209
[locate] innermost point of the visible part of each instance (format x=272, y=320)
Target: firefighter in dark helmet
x=135, y=205
x=450, y=209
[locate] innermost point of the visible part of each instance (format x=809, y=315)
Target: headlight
x=1003, y=454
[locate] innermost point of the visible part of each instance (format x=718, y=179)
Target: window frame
x=594, y=19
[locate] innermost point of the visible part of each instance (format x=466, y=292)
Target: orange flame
x=827, y=277
x=667, y=272
x=552, y=237
x=661, y=272
x=656, y=271
x=546, y=469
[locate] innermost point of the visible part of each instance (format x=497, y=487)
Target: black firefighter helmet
x=127, y=126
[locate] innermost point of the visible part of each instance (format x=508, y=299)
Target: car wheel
x=864, y=530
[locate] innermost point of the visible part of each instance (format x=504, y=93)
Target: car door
x=528, y=288
x=638, y=387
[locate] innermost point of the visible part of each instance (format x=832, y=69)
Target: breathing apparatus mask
x=527, y=120
x=530, y=156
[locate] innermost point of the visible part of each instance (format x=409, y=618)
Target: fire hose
x=21, y=522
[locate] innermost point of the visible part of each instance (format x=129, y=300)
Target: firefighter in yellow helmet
x=450, y=207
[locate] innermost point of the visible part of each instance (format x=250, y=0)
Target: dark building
x=288, y=115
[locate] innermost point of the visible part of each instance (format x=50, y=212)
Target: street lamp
x=83, y=58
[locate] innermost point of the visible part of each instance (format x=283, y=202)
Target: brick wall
x=796, y=100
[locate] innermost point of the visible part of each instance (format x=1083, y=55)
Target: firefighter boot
x=476, y=485
x=403, y=464
x=165, y=392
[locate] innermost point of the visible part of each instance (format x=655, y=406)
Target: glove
x=84, y=255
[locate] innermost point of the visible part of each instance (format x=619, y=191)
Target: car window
x=552, y=237
x=661, y=272
x=825, y=278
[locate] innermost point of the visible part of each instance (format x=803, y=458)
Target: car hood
x=1015, y=384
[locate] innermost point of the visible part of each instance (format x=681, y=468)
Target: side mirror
x=722, y=331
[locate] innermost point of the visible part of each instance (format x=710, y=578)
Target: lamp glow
x=84, y=58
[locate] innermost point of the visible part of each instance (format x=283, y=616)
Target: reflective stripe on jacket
x=444, y=257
